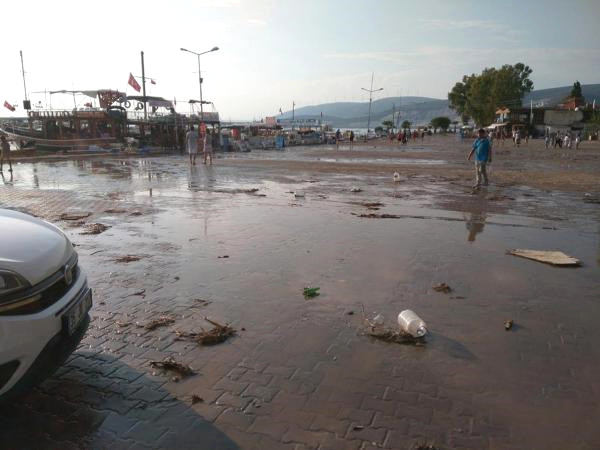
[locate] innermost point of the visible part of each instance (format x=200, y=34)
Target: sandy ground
x=233, y=243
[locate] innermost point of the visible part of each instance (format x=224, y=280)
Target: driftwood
x=549, y=257
x=216, y=335
x=169, y=364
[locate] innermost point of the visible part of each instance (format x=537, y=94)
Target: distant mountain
x=553, y=96
x=417, y=110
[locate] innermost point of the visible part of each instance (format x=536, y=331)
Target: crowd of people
x=561, y=139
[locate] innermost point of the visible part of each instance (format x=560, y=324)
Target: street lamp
x=370, y=91
x=214, y=49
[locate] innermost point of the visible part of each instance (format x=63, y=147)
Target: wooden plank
x=555, y=258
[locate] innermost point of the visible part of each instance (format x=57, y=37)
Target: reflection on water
x=475, y=224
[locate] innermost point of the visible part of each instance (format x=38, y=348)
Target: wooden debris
x=95, y=228
x=160, y=321
x=115, y=211
x=372, y=204
x=169, y=364
x=380, y=216
x=442, y=287
x=201, y=302
x=127, y=259
x=74, y=216
x=223, y=257
x=216, y=335
x=555, y=258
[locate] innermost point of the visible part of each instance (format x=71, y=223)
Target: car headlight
x=11, y=282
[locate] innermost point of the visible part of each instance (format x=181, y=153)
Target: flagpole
x=144, y=87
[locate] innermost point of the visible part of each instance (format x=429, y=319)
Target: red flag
x=133, y=83
x=152, y=81
x=8, y=106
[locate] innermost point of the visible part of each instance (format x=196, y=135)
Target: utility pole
x=144, y=88
x=370, y=91
x=393, y=116
x=293, y=114
x=531, y=113
x=26, y=104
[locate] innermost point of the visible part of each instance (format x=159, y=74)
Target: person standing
x=191, y=144
x=483, y=155
x=351, y=139
x=338, y=138
x=577, y=140
x=5, y=153
x=208, y=147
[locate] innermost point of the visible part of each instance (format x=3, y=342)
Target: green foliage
x=310, y=292
x=479, y=95
x=442, y=122
x=388, y=124
x=576, y=90
x=378, y=129
x=406, y=125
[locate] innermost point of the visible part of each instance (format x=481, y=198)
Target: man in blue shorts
x=482, y=149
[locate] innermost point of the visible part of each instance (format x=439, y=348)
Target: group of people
x=198, y=140
x=404, y=136
x=560, y=139
x=338, y=138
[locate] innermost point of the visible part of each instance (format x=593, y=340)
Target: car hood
x=31, y=247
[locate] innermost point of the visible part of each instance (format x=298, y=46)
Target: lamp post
x=214, y=49
x=370, y=91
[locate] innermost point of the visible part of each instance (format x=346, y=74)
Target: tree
x=479, y=95
x=406, y=125
x=576, y=90
x=442, y=122
x=388, y=124
x=378, y=129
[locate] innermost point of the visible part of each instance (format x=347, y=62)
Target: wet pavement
x=299, y=373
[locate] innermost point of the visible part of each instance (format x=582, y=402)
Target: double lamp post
x=214, y=49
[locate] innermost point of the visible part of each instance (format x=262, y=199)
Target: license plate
x=76, y=314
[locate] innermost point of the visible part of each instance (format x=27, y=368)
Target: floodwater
x=535, y=386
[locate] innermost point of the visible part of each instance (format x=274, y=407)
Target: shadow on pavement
x=97, y=401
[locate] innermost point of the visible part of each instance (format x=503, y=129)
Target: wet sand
x=318, y=380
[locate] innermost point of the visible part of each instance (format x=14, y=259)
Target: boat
x=84, y=129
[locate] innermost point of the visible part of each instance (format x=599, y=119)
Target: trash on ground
x=201, y=302
x=387, y=334
x=589, y=199
x=441, y=287
x=127, y=258
x=311, y=292
x=169, y=364
x=412, y=324
x=223, y=257
x=378, y=319
x=299, y=194
x=160, y=321
x=372, y=204
x=555, y=258
x=197, y=399
x=358, y=427
x=356, y=189
x=218, y=334
x=136, y=213
x=396, y=177
x=508, y=324
x=74, y=216
x=350, y=313
x=95, y=228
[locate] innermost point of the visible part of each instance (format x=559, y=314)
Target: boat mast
x=24, y=85
x=144, y=87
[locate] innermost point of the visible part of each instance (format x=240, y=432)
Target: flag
x=133, y=83
x=8, y=106
x=152, y=81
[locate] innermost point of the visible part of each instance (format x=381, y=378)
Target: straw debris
x=216, y=335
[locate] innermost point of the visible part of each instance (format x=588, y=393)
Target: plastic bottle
x=411, y=323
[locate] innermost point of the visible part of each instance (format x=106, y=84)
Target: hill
x=417, y=110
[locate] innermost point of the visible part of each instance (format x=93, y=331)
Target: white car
x=44, y=301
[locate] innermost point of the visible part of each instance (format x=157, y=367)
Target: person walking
x=351, y=139
x=5, y=153
x=208, y=147
x=577, y=140
x=483, y=155
x=191, y=144
x=338, y=138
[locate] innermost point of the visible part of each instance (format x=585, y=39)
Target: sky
x=273, y=53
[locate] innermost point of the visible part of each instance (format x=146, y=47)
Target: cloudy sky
x=275, y=52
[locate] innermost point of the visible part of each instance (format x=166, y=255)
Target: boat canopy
x=152, y=101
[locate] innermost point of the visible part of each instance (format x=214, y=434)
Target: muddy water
x=538, y=381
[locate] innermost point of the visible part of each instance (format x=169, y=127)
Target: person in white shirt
x=191, y=144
